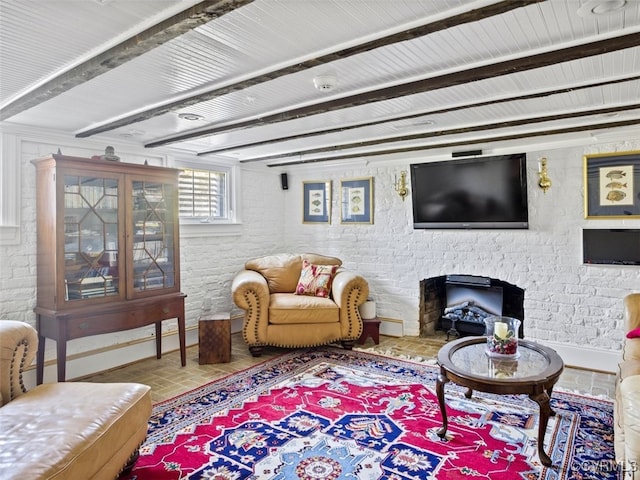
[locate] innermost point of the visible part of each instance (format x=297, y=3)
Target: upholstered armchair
x=299, y=301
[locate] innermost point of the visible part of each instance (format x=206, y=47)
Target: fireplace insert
x=458, y=304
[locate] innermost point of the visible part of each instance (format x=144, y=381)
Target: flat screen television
x=487, y=192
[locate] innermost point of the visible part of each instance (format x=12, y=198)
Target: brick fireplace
x=461, y=301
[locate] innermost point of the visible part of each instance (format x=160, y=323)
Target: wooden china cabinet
x=108, y=251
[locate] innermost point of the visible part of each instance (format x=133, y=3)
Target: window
x=203, y=194
x=207, y=197
x=9, y=189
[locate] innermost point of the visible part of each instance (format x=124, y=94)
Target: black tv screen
x=487, y=192
x=611, y=246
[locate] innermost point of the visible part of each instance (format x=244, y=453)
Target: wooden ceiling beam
x=452, y=131
x=129, y=49
x=410, y=34
x=506, y=67
x=344, y=128
x=465, y=143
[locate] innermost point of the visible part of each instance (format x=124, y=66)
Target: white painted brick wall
x=207, y=263
x=565, y=301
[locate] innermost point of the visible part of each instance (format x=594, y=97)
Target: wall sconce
x=545, y=182
x=400, y=186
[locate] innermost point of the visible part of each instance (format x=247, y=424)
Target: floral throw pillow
x=316, y=280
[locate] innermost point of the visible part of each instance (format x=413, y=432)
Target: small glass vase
x=502, y=336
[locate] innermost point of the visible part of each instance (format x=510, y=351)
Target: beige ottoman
x=73, y=430
x=70, y=431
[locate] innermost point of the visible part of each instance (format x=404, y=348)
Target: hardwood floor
x=168, y=379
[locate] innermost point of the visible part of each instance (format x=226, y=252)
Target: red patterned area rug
x=334, y=414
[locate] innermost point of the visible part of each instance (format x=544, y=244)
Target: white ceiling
x=474, y=78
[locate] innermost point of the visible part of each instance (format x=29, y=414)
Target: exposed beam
x=466, y=17
x=506, y=67
x=344, y=128
x=500, y=138
x=129, y=49
x=452, y=131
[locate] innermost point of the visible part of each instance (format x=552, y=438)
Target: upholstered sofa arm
x=631, y=350
x=251, y=293
x=629, y=396
x=349, y=291
x=18, y=345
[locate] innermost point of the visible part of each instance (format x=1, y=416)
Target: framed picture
x=357, y=204
x=612, y=185
x=316, y=201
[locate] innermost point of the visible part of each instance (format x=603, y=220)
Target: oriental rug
x=329, y=414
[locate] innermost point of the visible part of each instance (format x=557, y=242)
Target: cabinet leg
x=181, y=338
x=158, y=340
x=40, y=360
x=61, y=348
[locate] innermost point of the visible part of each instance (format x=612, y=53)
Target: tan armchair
x=64, y=431
x=275, y=315
x=627, y=398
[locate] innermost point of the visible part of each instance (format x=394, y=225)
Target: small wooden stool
x=214, y=338
x=370, y=327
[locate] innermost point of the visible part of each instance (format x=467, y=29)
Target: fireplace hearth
x=458, y=304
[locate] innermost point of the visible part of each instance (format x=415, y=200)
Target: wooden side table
x=370, y=328
x=214, y=338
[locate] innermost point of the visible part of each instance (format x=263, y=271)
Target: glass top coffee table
x=533, y=373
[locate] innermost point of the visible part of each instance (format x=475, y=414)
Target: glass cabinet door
x=154, y=265
x=90, y=237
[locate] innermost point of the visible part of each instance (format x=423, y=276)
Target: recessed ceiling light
x=325, y=82
x=601, y=7
x=192, y=117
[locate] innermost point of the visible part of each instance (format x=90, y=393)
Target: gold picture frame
x=612, y=185
x=316, y=201
x=357, y=200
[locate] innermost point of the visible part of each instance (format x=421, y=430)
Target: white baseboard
x=90, y=363
x=587, y=358
x=576, y=356
x=94, y=362
x=391, y=327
